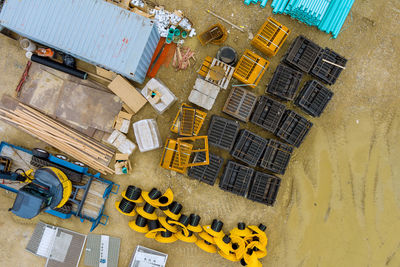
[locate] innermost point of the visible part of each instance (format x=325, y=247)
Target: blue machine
x=76, y=199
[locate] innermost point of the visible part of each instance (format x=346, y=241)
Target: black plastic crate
x=284, y=82
x=313, y=98
x=240, y=103
x=267, y=113
x=249, y=147
x=276, y=156
x=264, y=188
x=236, y=178
x=302, y=54
x=293, y=128
x=206, y=173
x=328, y=66
x=222, y=132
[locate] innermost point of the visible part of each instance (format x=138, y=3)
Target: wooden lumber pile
x=80, y=147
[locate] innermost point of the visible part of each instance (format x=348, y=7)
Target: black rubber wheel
x=40, y=153
x=61, y=157
x=66, y=209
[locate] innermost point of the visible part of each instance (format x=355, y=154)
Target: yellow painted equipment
x=171, y=157
x=188, y=121
x=66, y=184
x=183, y=143
x=270, y=38
x=250, y=68
x=216, y=34
x=205, y=67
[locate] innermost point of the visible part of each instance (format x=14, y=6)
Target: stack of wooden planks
x=80, y=147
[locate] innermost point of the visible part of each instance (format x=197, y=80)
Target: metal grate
x=240, y=103
x=236, y=178
x=206, y=173
x=276, y=156
x=302, y=54
x=313, y=98
x=249, y=147
x=60, y=246
x=222, y=132
x=285, y=82
x=293, y=128
x=102, y=250
x=328, y=66
x=264, y=188
x=267, y=113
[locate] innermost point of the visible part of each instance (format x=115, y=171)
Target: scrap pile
x=82, y=148
x=246, y=244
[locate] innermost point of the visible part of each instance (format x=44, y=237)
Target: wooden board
x=75, y=102
x=128, y=94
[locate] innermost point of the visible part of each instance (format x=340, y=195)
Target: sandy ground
x=339, y=200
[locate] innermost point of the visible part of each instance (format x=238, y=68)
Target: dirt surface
x=339, y=200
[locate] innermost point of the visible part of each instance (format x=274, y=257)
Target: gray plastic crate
x=276, y=156
x=236, y=178
x=206, y=173
x=313, y=98
x=222, y=132
x=264, y=188
x=249, y=147
x=240, y=103
x=267, y=113
x=293, y=128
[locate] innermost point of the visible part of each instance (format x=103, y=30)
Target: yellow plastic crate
x=250, y=68
x=171, y=157
x=270, y=38
x=199, y=144
x=199, y=119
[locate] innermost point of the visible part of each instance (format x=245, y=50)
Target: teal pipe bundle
x=328, y=15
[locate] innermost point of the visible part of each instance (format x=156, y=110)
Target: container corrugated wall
x=94, y=31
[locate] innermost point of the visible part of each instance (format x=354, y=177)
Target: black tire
x=40, y=153
x=66, y=209
x=63, y=157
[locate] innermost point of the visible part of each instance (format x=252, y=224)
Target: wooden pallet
x=224, y=82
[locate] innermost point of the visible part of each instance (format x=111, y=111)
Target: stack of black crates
x=254, y=151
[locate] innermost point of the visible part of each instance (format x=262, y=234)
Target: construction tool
x=240, y=28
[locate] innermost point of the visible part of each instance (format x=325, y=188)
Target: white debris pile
x=138, y=3
x=164, y=19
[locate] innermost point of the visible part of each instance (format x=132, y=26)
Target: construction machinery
x=44, y=182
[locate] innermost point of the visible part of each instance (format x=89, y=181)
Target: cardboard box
x=122, y=121
x=128, y=93
x=122, y=161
